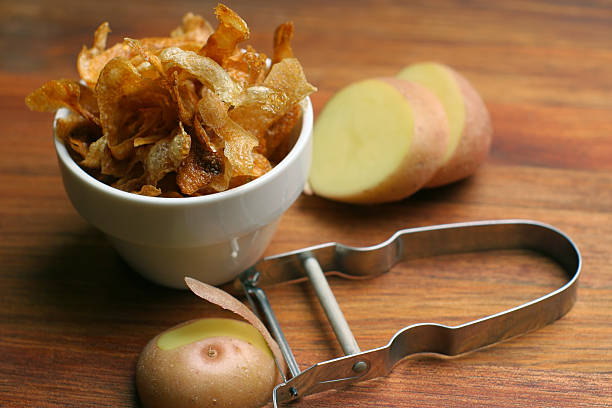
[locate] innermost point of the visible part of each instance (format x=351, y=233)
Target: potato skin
x=427, y=150
x=475, y=141
x=213, y=372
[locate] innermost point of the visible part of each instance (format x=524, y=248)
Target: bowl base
x=214, y=264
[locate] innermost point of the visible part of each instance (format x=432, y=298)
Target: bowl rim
x=301, y=143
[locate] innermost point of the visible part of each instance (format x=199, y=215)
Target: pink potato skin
x=427, y=149
x=475, y=141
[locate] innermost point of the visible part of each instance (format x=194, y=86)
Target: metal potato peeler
x=359, y=263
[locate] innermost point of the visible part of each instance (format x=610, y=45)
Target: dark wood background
x=74, y=317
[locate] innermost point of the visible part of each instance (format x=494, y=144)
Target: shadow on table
x=86, y=290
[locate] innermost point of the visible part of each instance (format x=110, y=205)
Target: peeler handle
x=368, y=262
x=432, y=337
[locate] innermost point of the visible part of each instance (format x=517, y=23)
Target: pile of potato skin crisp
x=185, y=115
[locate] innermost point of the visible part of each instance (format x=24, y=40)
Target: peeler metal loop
x=360, y=263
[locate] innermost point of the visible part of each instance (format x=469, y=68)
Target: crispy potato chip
x=208, y=138
x=282, y=42
x=287, y=77
x=194, y=28
x=185, y=93
x=212, y=110
x=239, y=144
x=247, y=67
x=192, y=175
x=261, y=165
x=116, y=168
x=72, y=124
x=168, y=185
x=200, y=169
x=260, y=106
x=277, y=135
x=132, y=108
x=95, y=151
x=191, y=35
x=231, y=30
x=67, y=93
x=190, y=114
x=91, y=60
x=166, y=155
x=145, y=56
x=220, y=182
x=78, y=146
x=204, y=69
x=149, y=191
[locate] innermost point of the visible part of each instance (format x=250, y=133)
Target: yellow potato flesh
x=207, y=328
x=439, y=80
x=361, y=138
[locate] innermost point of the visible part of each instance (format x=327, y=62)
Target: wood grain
x=73, y=316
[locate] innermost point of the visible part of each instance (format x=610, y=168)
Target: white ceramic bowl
x=211, y=238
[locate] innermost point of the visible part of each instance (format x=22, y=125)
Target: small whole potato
x=207, y=363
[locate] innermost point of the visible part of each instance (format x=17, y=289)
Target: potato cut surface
x=361, y=137
x=439, y=80
x=209, y=328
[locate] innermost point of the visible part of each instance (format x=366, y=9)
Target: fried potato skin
x=190, y=114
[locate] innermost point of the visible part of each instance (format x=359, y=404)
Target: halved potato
x=377, y=140
x=469, y=123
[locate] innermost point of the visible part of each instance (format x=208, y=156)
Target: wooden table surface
x=74, y=317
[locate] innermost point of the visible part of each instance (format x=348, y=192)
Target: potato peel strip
x=226, y=301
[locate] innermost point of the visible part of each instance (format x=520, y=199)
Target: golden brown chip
x=238, y=143
x=72, y=124
x=166, y=156
x=133, y=110
x=100, y=160
x=260, y=106
x=201, y=167
x=220, y=182
x=287, y=77
x=78, y=146
x=247, y=67
x=91, y=60
x=194, y=28
x=282, y=42
x=212, y=110
x=191, y=35
x=184, y=91
x=144, y=56
x=116, y=168
x=149, y=191
x=239, y=146
x=261, y=166
x=231, y=30
x=204, y=69
x=208, y=138
x=125, y=126
x=277, y=140
x=66, y=93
